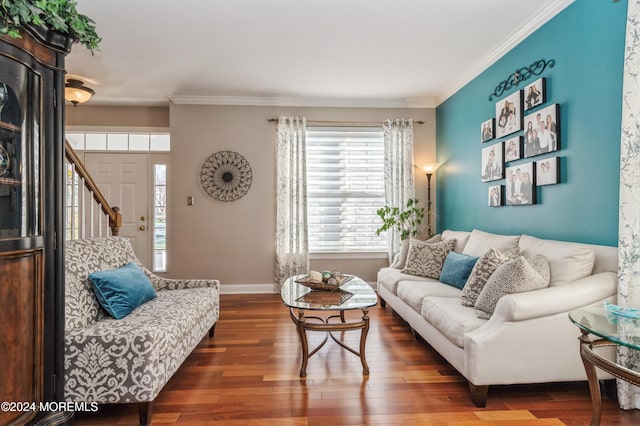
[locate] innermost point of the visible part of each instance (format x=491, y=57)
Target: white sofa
x=529, y=338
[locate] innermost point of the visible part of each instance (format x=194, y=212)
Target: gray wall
x=234, y=242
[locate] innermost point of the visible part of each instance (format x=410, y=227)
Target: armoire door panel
x=21, y=340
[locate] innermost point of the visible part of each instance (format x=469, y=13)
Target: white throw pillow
x=515, y=276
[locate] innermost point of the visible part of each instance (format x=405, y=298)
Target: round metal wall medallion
x=226, y=176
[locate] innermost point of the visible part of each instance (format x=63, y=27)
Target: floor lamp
x=429, y=169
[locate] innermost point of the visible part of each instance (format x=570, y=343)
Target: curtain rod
x=368, y=123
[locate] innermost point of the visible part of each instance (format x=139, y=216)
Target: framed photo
x=513, y=149
x=495, y=196
x=535, y=94
x=520, y=187
x=548, y=171
x=542, y=131
x=509, y=114
x=487, y=130
x=492, y=162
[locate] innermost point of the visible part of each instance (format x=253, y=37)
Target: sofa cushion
x=482, y=270
x=413, y=292
x=426, y=259
x=515, y=276
x=480, y=242
x=567, y=261
x=450, y=318
x=460, y=237
x=456, y=269
x=390, y=277
x=121, y=290
x=130, y=360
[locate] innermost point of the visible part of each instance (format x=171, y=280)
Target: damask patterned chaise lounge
x=128, y=360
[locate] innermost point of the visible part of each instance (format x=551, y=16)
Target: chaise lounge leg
x=383, y=303
x=145, y=410
x=479, y=395
x=212, y=330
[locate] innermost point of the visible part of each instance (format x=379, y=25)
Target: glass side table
x=610, y=331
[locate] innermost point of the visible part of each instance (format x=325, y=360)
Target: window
x=73, y=203
x=112, y=141
x=345, y=187
x=160, y=218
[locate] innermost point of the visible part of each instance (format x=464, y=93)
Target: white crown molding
x=551, y=10
x=303, y=102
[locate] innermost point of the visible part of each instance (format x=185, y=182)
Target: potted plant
x=42, y=16
x=405, y=221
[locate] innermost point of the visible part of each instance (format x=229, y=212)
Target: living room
x=582, y=44
x=209, y=238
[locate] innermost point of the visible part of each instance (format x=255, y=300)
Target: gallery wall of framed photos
x=516, y=143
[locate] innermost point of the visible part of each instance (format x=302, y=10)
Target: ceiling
x=382, y=53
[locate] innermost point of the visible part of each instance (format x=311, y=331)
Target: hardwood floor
x=247, y=374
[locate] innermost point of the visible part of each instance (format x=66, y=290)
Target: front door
x=123, y=179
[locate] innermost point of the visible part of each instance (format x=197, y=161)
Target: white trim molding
x=303, y=102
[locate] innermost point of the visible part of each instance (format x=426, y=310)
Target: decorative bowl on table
x=325, y=280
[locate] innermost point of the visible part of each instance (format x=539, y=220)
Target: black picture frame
x=509, y=114
x=488, y=130
x=535, y=94
x=542, y=131
x=494, y=194
x=548, y=171
x=520, y=185
x=513, y=149
x=493, y=162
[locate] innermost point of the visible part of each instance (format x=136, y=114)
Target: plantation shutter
x=345, y=187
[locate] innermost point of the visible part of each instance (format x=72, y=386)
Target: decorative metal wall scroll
x=521, y=74
x=226, y=176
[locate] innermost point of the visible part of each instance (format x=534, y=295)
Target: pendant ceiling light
x=76, y=92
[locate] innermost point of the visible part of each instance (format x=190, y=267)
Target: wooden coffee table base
x=324, y=324
x=591, y=360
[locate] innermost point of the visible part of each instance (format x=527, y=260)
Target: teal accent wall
x=586, y=40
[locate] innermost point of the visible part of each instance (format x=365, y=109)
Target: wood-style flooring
x=247, y=374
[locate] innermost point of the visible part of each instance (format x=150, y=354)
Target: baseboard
x=256, y=288
x=246, y=288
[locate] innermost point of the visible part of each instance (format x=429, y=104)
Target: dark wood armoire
x=31, y=222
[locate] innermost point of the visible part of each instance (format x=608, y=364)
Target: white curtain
x=629, y=232
x=292, y=246
x=398, y=170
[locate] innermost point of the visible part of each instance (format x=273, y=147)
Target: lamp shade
x=430, y=168
x=76, y=92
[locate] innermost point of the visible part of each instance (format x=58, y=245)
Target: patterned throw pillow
x=515, y=276
x=426, y=259
x=484, y=267
x=401, y=258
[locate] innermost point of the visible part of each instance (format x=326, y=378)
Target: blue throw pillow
x=121, y=290
x=457, y=268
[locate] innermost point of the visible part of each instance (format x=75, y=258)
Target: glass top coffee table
x=353, y=295
x=611, y=330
